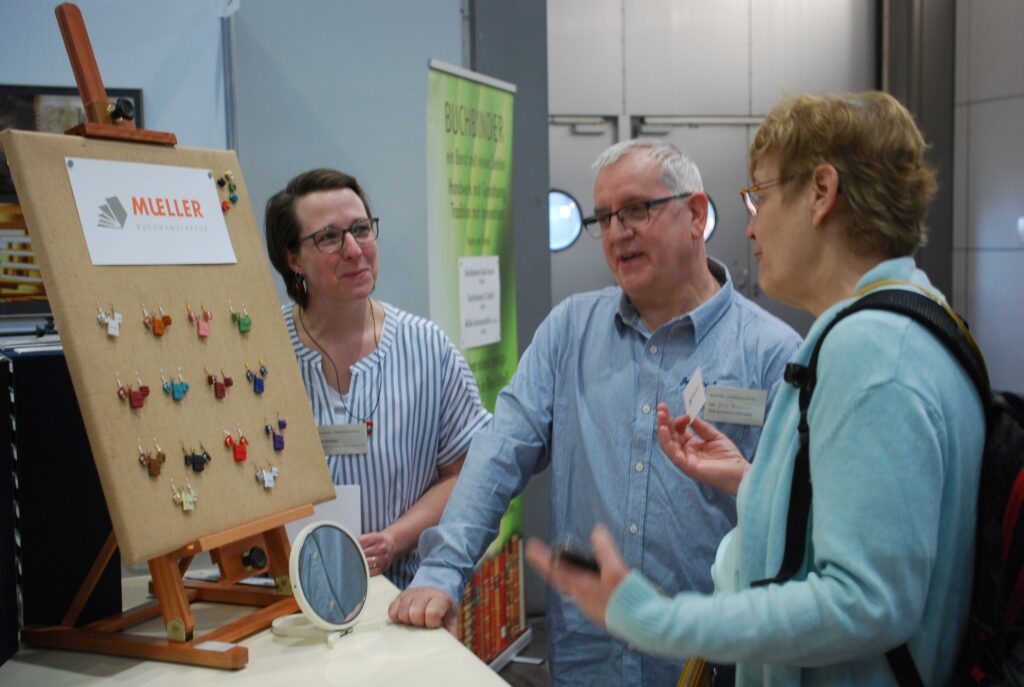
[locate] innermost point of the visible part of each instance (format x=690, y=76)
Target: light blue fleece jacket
x=896, y=438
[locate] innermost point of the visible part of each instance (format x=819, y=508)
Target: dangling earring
x=300, y=283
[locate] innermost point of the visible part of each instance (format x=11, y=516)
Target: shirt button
x=639, y=467
x=633, y=529
x=646, y=409
x=654, y=349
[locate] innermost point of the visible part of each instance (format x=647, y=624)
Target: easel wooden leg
x=85, y=591
x=278, y=551
x=170, y=590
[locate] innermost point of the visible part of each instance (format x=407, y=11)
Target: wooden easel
x=173, y=593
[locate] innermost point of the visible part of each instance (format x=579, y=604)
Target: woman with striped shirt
x=404, y=394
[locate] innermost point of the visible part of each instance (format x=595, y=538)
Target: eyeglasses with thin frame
x=751, y=199
x=330, y=239
x=631, y=217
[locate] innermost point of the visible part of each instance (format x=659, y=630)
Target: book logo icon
x=112, y=214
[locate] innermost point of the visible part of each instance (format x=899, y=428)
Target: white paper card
x=345, y=509
x=142, y=214
x=479, y=301
x=693, y=394
x=738, y=406
x=341, y=440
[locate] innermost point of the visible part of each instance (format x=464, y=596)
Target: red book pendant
x=369, y=428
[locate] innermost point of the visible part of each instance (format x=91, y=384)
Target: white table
x=392, y=655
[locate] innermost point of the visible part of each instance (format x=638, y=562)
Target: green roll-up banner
x=469, y=226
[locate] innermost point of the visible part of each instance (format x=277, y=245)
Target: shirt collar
x=703, y=318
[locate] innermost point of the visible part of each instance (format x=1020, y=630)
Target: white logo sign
x=142, y=214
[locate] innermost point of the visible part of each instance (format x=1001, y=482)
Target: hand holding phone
x=570, y=550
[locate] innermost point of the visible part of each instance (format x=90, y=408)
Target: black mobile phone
x=572, y=551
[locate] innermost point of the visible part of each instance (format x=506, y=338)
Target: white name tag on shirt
x=344, y=439
x=693, y=394
x=738, y=406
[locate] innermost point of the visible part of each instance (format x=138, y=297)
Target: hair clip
x=152, y=462
x=179, y=388
x=153, y=324
x=219, y=390
x=258, y=384
x=164, y=317
x=112, y=321
x=268, y=476
x=278, y=439
x=239, y=448
x=196, y=461
x=242, y=319
x=202, y=322
x=186, y=498
x=136, y=397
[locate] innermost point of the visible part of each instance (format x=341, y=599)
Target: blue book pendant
x=257, y=385
x=278, y=442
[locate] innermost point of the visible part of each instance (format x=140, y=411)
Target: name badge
x=738, y=406
x=693, y=394
x=344, y=439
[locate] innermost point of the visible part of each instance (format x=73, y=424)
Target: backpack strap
x=948, y=328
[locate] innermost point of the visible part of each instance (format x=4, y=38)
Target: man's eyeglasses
x=631, y=217
x=330, y=239
x=751, y=197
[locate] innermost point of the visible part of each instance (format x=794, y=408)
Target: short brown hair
x=878, y=150
x=282, y=226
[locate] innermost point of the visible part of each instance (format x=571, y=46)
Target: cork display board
x=151, y=513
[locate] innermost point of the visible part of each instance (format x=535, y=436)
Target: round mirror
x=709, y=228
x=329, y=575
x=565, y=220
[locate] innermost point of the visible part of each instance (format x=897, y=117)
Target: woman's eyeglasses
x=330, y=239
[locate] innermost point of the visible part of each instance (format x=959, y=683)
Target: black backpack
x=993, y=650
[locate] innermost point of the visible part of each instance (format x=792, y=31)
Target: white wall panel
x=995, y=173
x=582, y=266
x=996, y=63
x=960, y=148
x=687, y=57
x=963, y=49
x=997, y=282
x=801, y=46
x=585, y=57
x=958, y=298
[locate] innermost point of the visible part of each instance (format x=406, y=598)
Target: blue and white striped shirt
x=428, y=411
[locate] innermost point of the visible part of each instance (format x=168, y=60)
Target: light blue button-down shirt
x=583, y=401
